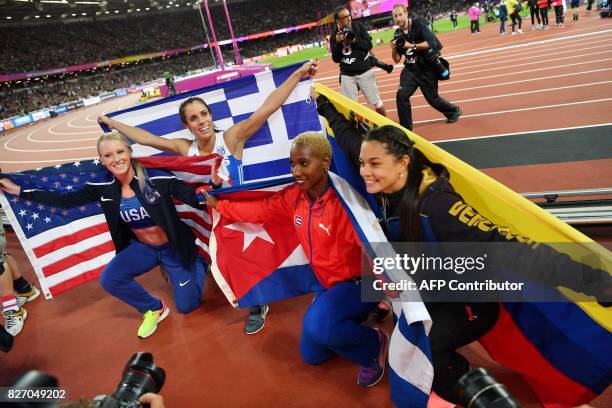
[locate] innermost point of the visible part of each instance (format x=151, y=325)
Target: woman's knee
x=314, y=328
x=106, y=280
x=188, y=306
x=312, y=359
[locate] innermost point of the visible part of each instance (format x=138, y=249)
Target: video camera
x=478, y=389
x=375, y=62
x=140, y=376
x=349, y=35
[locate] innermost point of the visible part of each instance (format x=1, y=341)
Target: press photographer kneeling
x=423, y=67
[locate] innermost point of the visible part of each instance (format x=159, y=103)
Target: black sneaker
x=455, y=116
x=256, y=319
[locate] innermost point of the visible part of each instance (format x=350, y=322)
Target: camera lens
x=139, y=377
x=478, y=389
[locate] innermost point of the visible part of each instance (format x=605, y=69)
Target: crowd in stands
x=33, y=95
x=104, y=39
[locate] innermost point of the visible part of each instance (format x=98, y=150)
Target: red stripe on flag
x=76, y=259
x=182, y=164
x=508, y=345
x=76, y=281
x=195, y=217
x=73, y=238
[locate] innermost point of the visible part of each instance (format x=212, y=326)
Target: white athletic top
x=233, y=165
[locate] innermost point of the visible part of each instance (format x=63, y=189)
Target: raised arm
x=348, y=138
x=145, y=138
x=237, y=135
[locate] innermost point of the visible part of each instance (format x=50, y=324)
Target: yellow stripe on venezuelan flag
x=497, y=202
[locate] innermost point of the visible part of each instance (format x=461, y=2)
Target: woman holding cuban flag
x=207, y=139
x=332, y=323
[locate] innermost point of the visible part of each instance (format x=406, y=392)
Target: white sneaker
x=520, y=31
x=13, y=321
x=514, y=33
x=23, y=298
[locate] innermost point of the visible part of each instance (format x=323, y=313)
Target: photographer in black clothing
x=351, y=45
x=420, y=47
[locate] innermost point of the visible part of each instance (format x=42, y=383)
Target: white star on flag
x=251, y=231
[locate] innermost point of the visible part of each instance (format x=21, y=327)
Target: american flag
x=70, y=246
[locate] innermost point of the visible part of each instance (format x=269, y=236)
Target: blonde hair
x=317, y=142
x=141, y=173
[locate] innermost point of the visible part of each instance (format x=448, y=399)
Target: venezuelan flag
x=564, y=349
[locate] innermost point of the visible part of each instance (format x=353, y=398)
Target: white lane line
x=457, y=66
x=521, y=93
x=505, y=48
x=522, y=133
x=540, y=55
x=528, y=44
x=520, y=81
x=529, y=71
x=559, y=105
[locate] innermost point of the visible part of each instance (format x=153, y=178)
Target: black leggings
x=475, y=26
x=456, y=325
x=559, y=14
x=534, y=13
x=516, y=16
x=544, y=14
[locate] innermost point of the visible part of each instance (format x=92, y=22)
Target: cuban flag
x=259, y=263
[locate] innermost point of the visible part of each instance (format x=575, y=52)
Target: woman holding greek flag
x=196, y=116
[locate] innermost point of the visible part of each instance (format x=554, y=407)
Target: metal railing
x=577, y=212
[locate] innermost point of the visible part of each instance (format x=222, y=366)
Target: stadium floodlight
x=54, y=1
x=86, y=2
